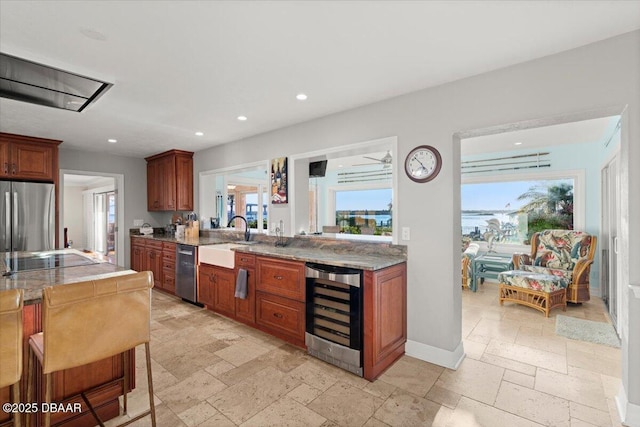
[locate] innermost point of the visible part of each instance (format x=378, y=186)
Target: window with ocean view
x=510, y=212
x=364, y=211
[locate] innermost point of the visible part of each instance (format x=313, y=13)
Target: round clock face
x=423, y=163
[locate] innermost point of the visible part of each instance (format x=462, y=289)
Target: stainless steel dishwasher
x=186, y=261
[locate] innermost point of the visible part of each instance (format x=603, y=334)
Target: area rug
x=587, y=330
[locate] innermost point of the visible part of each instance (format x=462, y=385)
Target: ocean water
x=472, y=220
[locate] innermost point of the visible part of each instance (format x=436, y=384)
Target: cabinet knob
x=278, y=315
x=6, y=168
x=14, y=168
x=278, y=277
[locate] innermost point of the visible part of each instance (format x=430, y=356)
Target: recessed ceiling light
x=242, y=118
x=517, y=143
x=113, y=141
x=199, y=133
x=301, y=97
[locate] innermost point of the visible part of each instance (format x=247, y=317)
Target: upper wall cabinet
x=170, y=181
x=27, y=158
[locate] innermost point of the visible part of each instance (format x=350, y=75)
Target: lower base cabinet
x=384, y=318
x=275, y=304
x=282, y=316
x=246, y=307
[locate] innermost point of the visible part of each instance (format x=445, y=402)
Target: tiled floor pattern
x=211, y=371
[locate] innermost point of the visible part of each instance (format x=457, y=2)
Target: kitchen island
x=32, y=271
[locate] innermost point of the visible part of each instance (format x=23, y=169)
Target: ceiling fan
x=386, y=160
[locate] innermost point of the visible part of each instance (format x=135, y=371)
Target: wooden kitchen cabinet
x=280, y=316
x=169, y=267
x=280, y=298
x=206, y=282
x=137, y=254
x=246, y=308
x=216, y=289
x=170, y=181
x=147, y=255
x=153, y=260
x=28, y=158
x=280, y=277
x=224, y=291
x=385, y=318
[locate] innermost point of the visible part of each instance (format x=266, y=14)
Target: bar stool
x=11, y=302
x=90, y=321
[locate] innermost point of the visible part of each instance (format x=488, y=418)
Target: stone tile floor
x=212, y=371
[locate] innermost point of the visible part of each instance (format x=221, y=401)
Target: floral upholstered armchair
x=566, y=254
x=467, y=256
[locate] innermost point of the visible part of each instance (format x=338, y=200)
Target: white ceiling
x=181, y=67
x=594, y=130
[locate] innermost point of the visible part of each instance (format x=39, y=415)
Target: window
x=509, y=212
x=244, y=200
x=364, y=211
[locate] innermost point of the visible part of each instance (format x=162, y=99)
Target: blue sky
x=360, y=200
x=497, y=195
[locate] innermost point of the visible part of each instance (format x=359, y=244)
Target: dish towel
x=241, y=284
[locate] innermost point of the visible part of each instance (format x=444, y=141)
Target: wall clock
x=423, y=163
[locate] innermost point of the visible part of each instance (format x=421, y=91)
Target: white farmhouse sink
x=220, y=255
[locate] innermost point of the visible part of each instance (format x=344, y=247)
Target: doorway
x=90, y=214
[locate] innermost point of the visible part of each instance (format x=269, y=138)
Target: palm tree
x=549, y=199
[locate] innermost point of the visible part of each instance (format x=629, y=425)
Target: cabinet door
x=5, y=160
x=32, y=161
x=184, y=182
x=281, y=315
x=246, y=308
x=224, y=291
x=385, y=318
x=154, y=186
x=169, y=278
x=167, y=174
x=206, y=283
x=279, y=277
x=153, y=258
x=137, y=257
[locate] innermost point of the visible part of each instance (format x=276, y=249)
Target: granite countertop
x=192, y=241
x=337, y=252
x=362, y=261
x=33, y=281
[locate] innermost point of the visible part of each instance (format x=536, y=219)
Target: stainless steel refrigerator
x=27, y=216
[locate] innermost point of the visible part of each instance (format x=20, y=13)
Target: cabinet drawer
x=283, y=278
x=137, y=241
x=153, y=244
x=281, y=314
x=168, y=265
x=169, y=250
x=245, y=260
x=169, y=280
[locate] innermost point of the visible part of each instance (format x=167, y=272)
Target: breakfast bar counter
x=32, y=271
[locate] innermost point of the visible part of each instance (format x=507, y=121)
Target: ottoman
x=540, y=291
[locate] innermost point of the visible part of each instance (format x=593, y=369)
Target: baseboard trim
x=629, y=412
x=435, y=355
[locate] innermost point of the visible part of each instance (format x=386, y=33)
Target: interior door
x=610, y=185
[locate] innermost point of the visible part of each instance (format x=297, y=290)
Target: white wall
x=73, y=216
x=572, y=85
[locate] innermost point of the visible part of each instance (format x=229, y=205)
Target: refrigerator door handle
x=7, y=221
x=16, y=230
